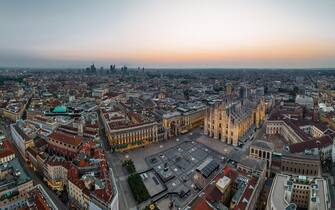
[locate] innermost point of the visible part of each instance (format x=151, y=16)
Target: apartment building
x=23, y=134
x=128, y=129
x=64, y=144
x=183, y=120
x=295, y=192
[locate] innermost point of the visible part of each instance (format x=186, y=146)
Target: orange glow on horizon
x=265, y=53
x=174, y=33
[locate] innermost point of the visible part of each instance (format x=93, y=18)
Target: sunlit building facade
x=183, y=120
x=127, y=130
x=230, y=121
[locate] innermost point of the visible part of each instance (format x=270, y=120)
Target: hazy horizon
x=168, y=34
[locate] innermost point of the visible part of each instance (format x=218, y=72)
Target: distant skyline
x=168, y=34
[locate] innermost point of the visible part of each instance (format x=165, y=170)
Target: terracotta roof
x=321, y=142
x=87, y=146
x=83, y=163
x=7, y=149
x=90, y=132
x=66, y=138
x=122, y=125
x=92, y=126
x=40, y=143
x=54, y=161
x=135, y=117
x=105, y=194
x=99, y=154
x=39, y=201
x=201, y=204
x=295, y=126
x=247, y=194
x=213, y=193
x=68, y=127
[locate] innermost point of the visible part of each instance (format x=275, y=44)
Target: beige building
x=252, y=166
x=78, y=193
x=300, y=164
x=12, y=115
x=64, y=144
x=262, y=150
x=53, y=168
x=15, y=109
x=231, y=121
x=128, y=130
x=23, y=134
x=56, y=176
x=183, y=120
x=14, y=185
x=284, y=129
x=224, y=185
x=293, y=127
x=229, y=89
x=291, y=192
x=131, y=136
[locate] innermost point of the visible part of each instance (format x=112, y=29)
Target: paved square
x=175, y=167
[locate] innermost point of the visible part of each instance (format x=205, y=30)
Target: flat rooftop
x=18, y=177
x=277, y=193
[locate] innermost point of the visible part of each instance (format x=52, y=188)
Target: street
x=115, y=166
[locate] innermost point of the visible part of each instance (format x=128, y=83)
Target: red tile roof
x=66, y=138
x=105, y=194
x=90, y=132
x=40, y=202
x=40, y=143
x=247, y=194
x=7, y=149
x=321, y=142
x=68, y=127
x=87, y=147
x=201, y=204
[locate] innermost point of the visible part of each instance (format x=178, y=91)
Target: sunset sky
x=168, y=33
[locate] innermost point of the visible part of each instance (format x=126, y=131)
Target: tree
x=138, y=188
x=129, y=164
x=295, y=91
